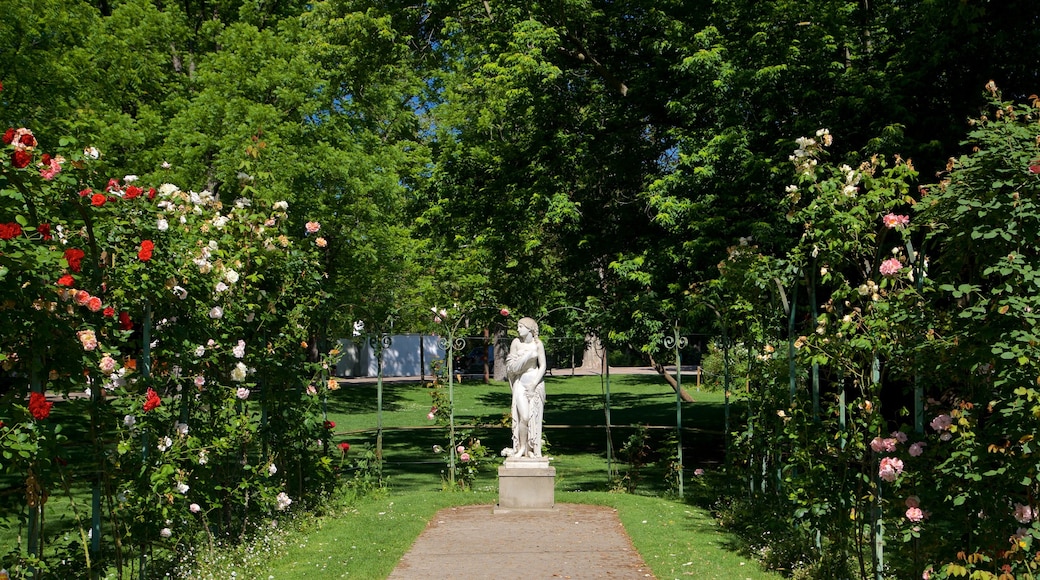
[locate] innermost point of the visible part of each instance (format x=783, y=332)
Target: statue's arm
x=512, y=366
x=541, y=362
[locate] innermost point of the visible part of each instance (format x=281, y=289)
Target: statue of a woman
x=525, y=369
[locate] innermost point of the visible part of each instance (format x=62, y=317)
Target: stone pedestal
x=526, y=483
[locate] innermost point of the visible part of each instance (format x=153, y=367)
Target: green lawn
x=365, y=538
x=574, y=425
x=675, y=539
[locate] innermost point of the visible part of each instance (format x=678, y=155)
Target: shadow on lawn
x=362, y=398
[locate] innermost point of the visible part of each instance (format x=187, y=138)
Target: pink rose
x=896, y=221
x=914, y=514
x=464, y=457
x=312, y=227
x=890, y=267
x=107, y=364
x=917, y=449
x=890, y=468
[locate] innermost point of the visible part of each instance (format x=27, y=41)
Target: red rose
x=151, y=400
x=21, y=159
x=9, y=136
x=81, y=297
x=113, y=185
x=109, y=312
x=28, y=140
x=151, y=193
x=1035, y=167
x=330, y=424
x=66, y=280
x=344, y=447
x=145, y=253
x=45, y=232
x=85, y=192
x=98, y=200
x=94, y=304
x=10, y=230
x=74, y=256
x=124, y=321
x=45, y=159
x=39, y=406
x=132, y=192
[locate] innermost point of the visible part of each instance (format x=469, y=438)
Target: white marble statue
x=525, y=370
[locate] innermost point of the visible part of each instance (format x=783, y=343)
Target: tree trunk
x=592, y=358
x=671, y=380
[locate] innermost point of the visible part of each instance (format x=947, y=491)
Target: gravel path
x=569, y=541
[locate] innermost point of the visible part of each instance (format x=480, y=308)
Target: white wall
x=401, y=359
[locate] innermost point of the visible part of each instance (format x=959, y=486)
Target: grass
x=366, y=537
x=574, y=425
x=675, y=539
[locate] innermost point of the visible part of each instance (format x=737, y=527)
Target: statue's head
x=529, y=324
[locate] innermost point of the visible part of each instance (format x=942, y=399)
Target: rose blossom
x=107, y=364
x=195, y=508
x=1023, y=513
x=145, y=253
x=238, y=374
x=216, y=312
x=917, y=449
x=94, y=304
x=74, y=258
x=321, y=242
x=464, y=457
x=312, y=227
x=941, y=422
x=914, y=514
x=890, y=267
x=88, y=339
x=81, y=297
x=151, y=400
x=242, y=393
x=880, y=445
x=39, y=406
x=896, y=221
x=890, y=468
x=240, y=349
x=272, y=469
x=164, y=444
x=166, y=532
x=283, y=501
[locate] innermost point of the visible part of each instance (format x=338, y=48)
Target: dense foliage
x=588, y=163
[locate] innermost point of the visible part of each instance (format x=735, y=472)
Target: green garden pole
x=677, y=343
x=725, y=389
x=606, y=411
x=146, y=373
x=792, y=370
x=380, y=345
x=450, y=352
x=878, y=523
x=815, y=365
x=35, y=500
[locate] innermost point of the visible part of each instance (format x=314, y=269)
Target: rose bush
x=902, y=414
x=111, y=292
